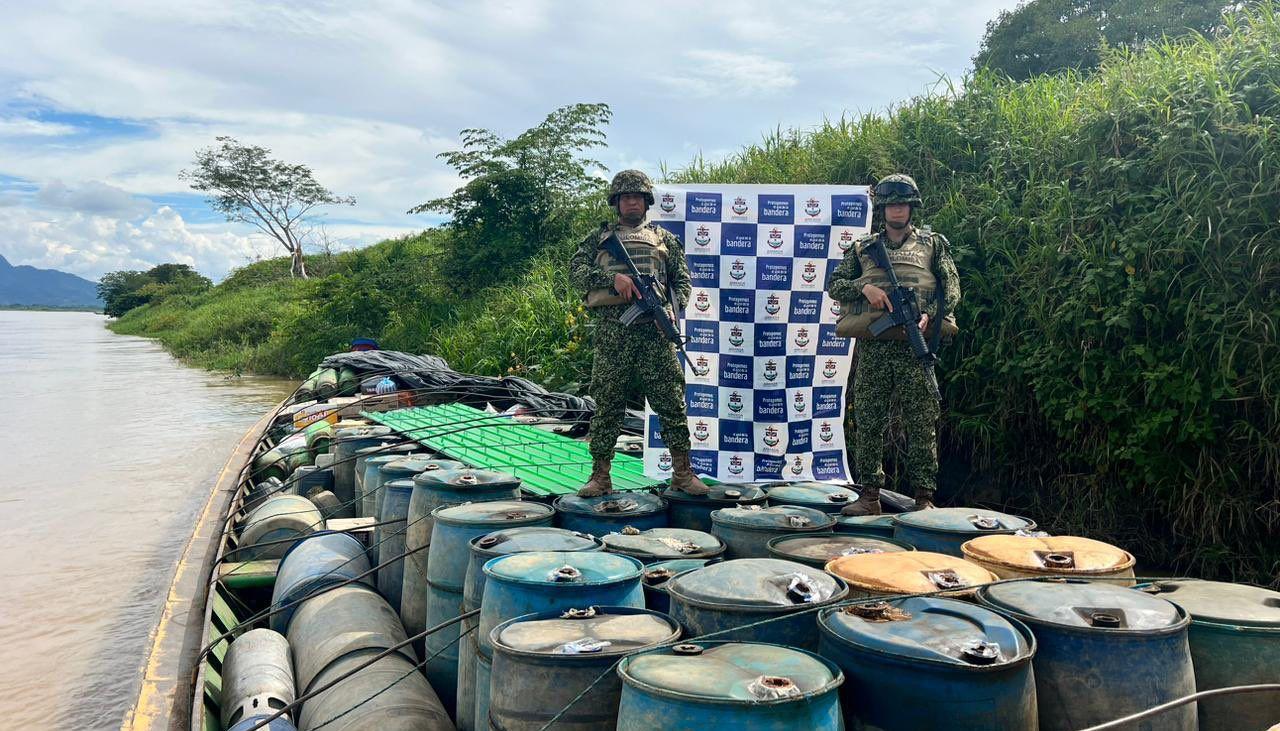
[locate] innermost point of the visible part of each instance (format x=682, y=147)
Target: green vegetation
x=1116, y=238
x=121, y=291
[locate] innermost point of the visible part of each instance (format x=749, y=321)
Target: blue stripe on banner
x=768, y=467
x=771, y=339
x=735, y=371
x=799, y=436
x=704, y=270
x=737, y=306
x=703, y=461
x=702, y=206
x=655, y=436
x=702, y=400
x=829, y=466
x=799, y=370
x=770, y=406
x=827, y=402
x=777, y=208
x=702, y=336
x=675, y=227
x=735, y=436
x=812, y=241
x=829, y=343
x=805, y=307
x=849, y=210
x=738, y=239
x=773, y=273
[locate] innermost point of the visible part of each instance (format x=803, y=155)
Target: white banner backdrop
x=766, y=392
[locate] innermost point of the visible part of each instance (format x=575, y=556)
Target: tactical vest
x=645, y=247
x=911, y=263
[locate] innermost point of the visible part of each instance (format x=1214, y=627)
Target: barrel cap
x=494, y=513
x=1048, y=554
x=756, y=582
x=963, y=520
x=533, y=538
x=908, y=572
x=777, y=518
x=741, y=672
x=865, y=523
x=932, y=629
x=1221, y=602
x=1085, y=604
x=811, y=494
x=820, y=548
x=723, y=494
x=590, y=631
x=577, y=568
x=664, y=543
x=465, y=479
x=410, y=465
x=618, y=503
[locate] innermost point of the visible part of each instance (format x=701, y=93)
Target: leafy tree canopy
x=124, y=290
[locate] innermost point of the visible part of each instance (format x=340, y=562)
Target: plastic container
x=319, y=560
x=694, y=511
x=819, y=550
x=664, y=544
x=909, y=572
x=944, y=530
x=821, y=496
x=746, y=532
x=1016, y=557
x=610, y=513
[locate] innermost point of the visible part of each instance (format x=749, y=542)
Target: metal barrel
x=610, y=513
x=481, y=549
x=746, y=532
x=878, y=526
x=319, y=560
x=729, y=685
x=908, y=572
x=694, y=511
x=316, y=479
x=432, y=489
x=257, y=676
x=1018, y=557
x=1103, y=651
x=546, y=659
x=369, y=475
x=1235, y=640
x=389, y=695
x=817, y=550
x=455, y=526
x=280, y=724
x=390, y=539
x=657, y=574
x=926, y=662
x=346, y=442
x=820, y=496
x=945, y=530
x=406, y=467
x=278, y=518
x=663, y=544
x=338, y=623
x=732, y=594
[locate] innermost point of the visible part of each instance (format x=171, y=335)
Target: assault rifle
x=906, y=313
x=650, y=303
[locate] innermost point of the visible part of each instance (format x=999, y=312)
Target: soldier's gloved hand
x=625, y=286
x=877, y=297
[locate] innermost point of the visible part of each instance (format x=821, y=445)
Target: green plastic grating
x=546, y=463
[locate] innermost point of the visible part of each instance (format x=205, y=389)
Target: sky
x=103, y=104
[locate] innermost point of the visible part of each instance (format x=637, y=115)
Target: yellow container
x=1017, y=557
x=908, y=572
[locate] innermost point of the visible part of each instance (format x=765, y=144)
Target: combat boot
x=600, y=482
x=682, y=477
x=924, y=500
x=868, y=502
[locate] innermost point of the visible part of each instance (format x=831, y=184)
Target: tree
x=1046, y=36
x=520, y=194
x=119, y=291
x=124, y=290
x=247, y=185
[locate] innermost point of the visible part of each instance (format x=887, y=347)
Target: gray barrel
x=346, y=442
x=278, y=518
x=656, y=576
x=546, y=659
x=610, y=513
x=746, y=532
x=432, y=489
x=818, y=550
x=455, y=526
x=315, y=479
x=694, y=511
x=820, y=496
x=327, y=503
x=663, y=544
x=317, y=561
x=945, y=530
x=736, y=593
x=402, y=467
x=492, y=545
x=389, y=540
x=369, y=480
x=257, y=676
x=338, y=623
x=389, y=695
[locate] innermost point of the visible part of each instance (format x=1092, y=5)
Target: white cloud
x=93, y=197
x=25, y=127
x=724, y=73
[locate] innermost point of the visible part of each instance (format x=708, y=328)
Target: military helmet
x=895, y=188
x=630, y=181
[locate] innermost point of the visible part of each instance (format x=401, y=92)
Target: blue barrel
x=817, y=550
x=656, y=576
x=1104, y=652
x=346, y=442
x=726, y=595
x=492, y=545
x=368, y=479
x=746, y=532
x=663, y=544
x=1235, y=640
x=319, y=560
x=729, y=685
x=546, y=660
x=407, y=467
x=694, y=511
x=929, y=662
x=880, y=526
x=389, y=540
x=432, y=489
x=610, y=513
x=455, y=526
x=829, y=499
x=316, y=479
x=944, y=530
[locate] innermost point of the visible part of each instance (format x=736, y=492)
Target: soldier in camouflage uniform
x=636, y=360
x=887, y=369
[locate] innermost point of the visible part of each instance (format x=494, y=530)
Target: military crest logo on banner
x=765, y=389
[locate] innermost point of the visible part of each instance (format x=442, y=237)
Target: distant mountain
x=25, y=285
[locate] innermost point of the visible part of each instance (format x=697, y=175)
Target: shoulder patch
x=864, y=241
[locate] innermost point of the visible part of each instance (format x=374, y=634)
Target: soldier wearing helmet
x=887, y=371
x=633, y=362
